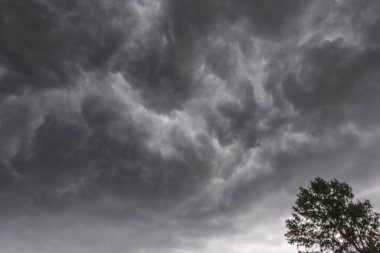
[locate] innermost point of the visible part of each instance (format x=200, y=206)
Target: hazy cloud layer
x=180, y=126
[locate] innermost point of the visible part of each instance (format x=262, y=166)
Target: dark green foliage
x=325, y=218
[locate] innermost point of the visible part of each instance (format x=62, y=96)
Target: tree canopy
x=326, y=218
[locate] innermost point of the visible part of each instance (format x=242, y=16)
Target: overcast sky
x=180, y=126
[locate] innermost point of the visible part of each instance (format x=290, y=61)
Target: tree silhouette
x=325, y=218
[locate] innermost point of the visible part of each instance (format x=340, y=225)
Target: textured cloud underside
x=180, y=126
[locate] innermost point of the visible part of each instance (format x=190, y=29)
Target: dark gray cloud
x=47, y=43
x=180, y=126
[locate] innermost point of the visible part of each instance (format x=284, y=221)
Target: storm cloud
x=180, y=126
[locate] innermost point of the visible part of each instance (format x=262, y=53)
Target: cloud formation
x=180, y=126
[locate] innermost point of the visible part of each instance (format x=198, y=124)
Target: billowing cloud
x=180, y=126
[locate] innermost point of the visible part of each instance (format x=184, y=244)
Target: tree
x=326, y=218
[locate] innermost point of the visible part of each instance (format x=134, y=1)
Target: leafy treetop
x=325, y=218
